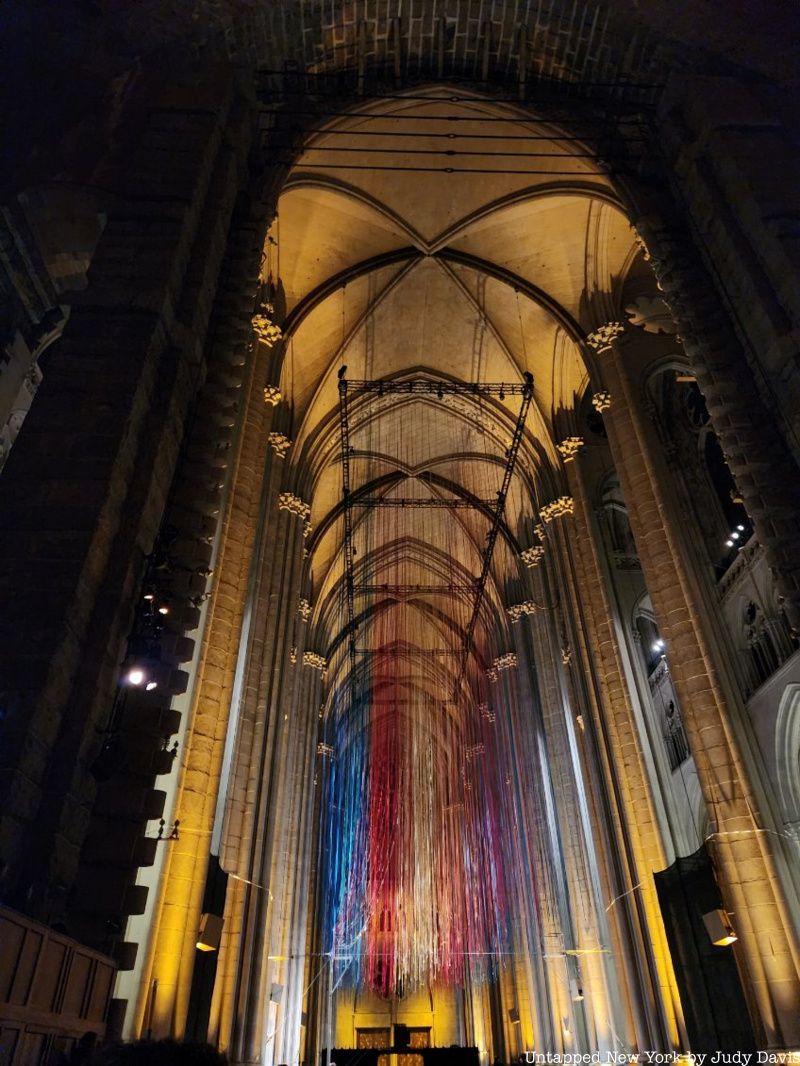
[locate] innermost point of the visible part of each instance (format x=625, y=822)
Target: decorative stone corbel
x=519, y=610
x=279, y=443
x=532, y=556
x=569, y=448
x=645, y=250
x=287, y=501
x=564, y=505
x=506, y=662
x=604, y=336
x=311, y=658
x=266, y=329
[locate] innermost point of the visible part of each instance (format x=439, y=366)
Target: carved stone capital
x=317, y=662
x=519, y=610
x=601, y=401
x=265, y=328
x=569, y=448
x=506, y=662
x=644, y=249
x=304, y=609
x=651, y=314
x=532, y=556
x=287, y=501
x=272, y=395
x=564, y=505
x=279, y=443
x=604, y=336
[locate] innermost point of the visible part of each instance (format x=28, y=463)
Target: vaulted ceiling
x=453, y=238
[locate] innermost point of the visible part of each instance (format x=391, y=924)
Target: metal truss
x=440, y=389
x=410, y=590
x=423, y=653
x=458, y=504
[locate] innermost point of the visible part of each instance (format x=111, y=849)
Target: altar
x=403, y=1056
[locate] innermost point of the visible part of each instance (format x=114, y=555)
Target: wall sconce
x=210, y=931
x=719, y=928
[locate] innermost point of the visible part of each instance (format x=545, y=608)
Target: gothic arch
x=787, y=753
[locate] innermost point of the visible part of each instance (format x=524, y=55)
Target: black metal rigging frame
x=440, y=389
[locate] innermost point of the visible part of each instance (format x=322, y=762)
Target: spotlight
x=728, y=543
x=150, y=686
x=719, y=928
x=735, y=534
x=135, y=676
x=163, y=609
x=740, y=528
x=210, y=932
x=149, y=596
x=656, y=647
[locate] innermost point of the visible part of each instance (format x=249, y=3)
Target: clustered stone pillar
x=266, y=833
x=596, y=901
x=84, y=490
x=741, y=846
x=519, y=722
x=635, y=848
x=749, y=431
x=167, y=969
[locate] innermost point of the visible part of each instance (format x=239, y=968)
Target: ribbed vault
x=401, y=261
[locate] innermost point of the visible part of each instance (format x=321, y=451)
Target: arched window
x=701, y=472
x=617, y=526
x=662, y=691
x=760, y=644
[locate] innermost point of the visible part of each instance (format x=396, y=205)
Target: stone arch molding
x=787, y=754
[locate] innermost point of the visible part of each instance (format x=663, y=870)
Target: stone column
x=741, y=846
x=517, y=718
x=289, y=936
x=596, y=689
x=84, y=490
x=266, y=785
x=625, y=735
x=568, y=763
x=747, y=425
x=733, y=161
x=170, y=951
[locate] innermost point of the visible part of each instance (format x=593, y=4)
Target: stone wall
x=84, y=492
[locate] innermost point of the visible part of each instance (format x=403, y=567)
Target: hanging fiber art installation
x=419, y=837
